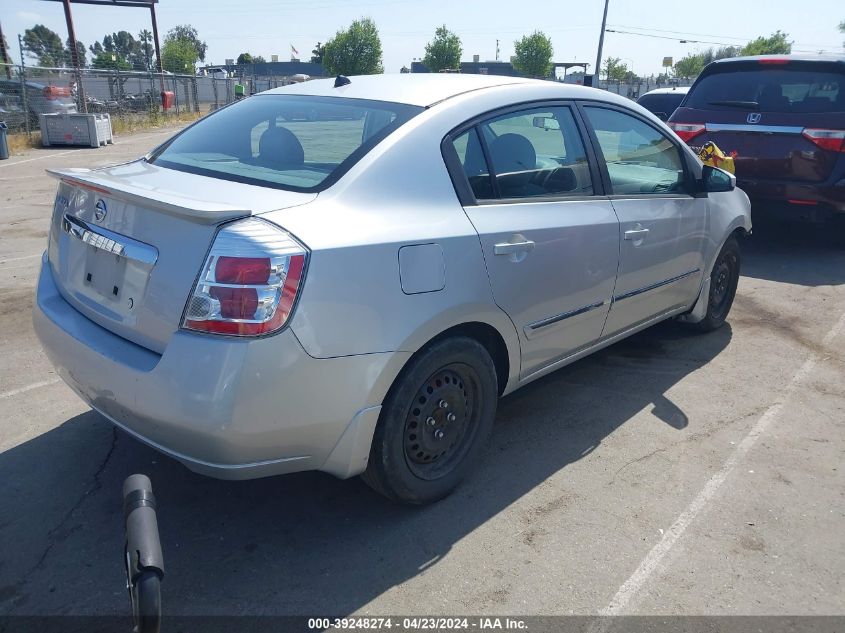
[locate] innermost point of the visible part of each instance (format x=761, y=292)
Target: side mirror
x=714, y=179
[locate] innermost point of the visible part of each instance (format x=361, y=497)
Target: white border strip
x=24, y=389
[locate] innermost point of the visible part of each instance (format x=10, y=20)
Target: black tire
x=414, y=460
x=723, y=283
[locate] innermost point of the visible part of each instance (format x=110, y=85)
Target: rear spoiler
x=199, y=211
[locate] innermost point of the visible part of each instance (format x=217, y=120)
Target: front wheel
x=434, y=422
x=723, y=283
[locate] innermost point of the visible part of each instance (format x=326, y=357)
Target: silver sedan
x=345, y=275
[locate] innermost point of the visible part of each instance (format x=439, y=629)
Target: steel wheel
x=439, y=424
x=723, y=284
x=434, y=421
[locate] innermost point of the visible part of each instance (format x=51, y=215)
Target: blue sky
x=268, y=27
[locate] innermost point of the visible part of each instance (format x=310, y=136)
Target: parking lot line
x=29, y=160
x=29, y=387
x=17, y=259
x=651, y=563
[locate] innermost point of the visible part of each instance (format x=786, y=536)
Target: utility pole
x=497, y=50
x=601, y=43
x=158, y=49
x=74, y=56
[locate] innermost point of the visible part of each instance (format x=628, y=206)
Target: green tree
x=444, y=51
x=179, y=56
x=533, y=55
x=690, y=65
x=182, y=49
x=354, y=51
x=187, y=33
x=147, y=48
x=80, y=54
x=317, y=53
x=842, y=29
x=614, y=69
x=110, y=61
x=259, y=59
x=45, y=45
x=776, y=44
x=244, y=58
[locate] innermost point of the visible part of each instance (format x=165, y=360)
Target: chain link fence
x=128, y=96
x=28, y=91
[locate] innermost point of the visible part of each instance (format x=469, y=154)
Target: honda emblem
x=754, y=117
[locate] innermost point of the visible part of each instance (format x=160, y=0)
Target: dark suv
x=782, y=118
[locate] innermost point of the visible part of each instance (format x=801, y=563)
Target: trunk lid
x=756, y=110
x=127, y=242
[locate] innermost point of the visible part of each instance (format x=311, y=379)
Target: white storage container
x=75, y=129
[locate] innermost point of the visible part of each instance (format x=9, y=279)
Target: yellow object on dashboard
x=710, y=154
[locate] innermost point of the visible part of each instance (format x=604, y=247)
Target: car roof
x=420, y=89
x=806, y=57
x=678, y=90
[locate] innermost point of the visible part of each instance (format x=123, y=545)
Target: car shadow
x=304, y=543
x=807, y=255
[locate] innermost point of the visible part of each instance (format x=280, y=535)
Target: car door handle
x=509, y=248
x=636, y=234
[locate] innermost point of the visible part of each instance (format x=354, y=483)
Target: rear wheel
x=723, y=283
x=434, y=422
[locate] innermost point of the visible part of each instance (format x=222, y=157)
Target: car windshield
x=782, y=89
x=293, y=142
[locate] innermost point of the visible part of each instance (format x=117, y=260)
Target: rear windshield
x=665, y=103
x=284, y=141
x=775, y=89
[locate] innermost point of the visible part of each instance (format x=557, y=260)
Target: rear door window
x=782, y=89
x=533, y=153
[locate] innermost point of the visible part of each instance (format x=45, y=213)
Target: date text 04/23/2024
x=418, y=623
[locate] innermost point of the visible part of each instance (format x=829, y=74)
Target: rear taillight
x=830, y=140
x=687, y=131
x=249, y=282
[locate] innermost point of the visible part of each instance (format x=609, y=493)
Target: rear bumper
x=795, y=201
x=229, y=408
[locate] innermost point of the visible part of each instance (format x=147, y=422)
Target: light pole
x=601, y=43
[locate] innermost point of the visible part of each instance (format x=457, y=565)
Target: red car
x=782, y=118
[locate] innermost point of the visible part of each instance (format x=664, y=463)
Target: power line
x=621, y=29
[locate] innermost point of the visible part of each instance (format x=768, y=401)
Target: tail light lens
x=687, y=131
x=830, y=140
x=249, y=282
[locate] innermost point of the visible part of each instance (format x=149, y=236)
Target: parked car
x=256, y=297
x=41, y=98
x=782, y=118
x=663, y=101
